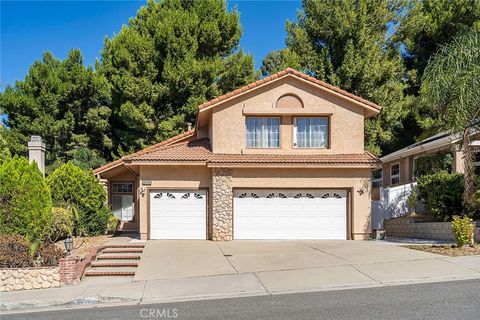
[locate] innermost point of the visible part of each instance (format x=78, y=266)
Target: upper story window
x=376, y=178
x=263, y=132
x=395, y=173
x=310, y=132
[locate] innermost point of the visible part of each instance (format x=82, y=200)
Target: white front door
x=122, y=206
x=178, y=214
x=290, y=214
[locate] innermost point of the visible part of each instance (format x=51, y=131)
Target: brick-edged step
x=126, y=245
x=117, y=257
x=122, y=250
x=109, y=273
x=114, y=264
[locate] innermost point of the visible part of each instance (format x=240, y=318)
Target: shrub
x=112, y=224
x=442, y=193
x=14, y=252
x=81, y=189
x=462, y=229
x=62, y=223
x=25, y=203
x=48, y=255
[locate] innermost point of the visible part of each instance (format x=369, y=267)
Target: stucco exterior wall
x=168, y=177
x=357, y=181
x=346, y=119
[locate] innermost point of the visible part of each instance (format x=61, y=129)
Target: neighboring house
x=280, y=158
x=400, y=167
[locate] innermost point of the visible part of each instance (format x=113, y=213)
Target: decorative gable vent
x=290, y=101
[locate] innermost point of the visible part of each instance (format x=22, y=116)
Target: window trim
x=379, y=179
x=122, y=182
x=265, y=117
x=392, y=176
x=294, y=132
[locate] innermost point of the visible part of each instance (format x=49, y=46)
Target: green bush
x=62, y=223
x=25, y=202
x=81, y=189
x=112, y=224
x=442, y=193
x=462, y=229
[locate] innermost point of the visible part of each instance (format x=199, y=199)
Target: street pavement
x=196, y=270
x=446, y=300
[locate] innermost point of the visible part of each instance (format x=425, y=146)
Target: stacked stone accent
x=222, y=204
x=68, y=271
x=31, y=278
x=407, y=228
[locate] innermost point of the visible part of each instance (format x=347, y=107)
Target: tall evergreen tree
x=62, y=101
x=346, y=43
x=172, y=56
x=279, y=60
x=426, y=25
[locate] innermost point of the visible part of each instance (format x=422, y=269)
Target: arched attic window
x=290, y=101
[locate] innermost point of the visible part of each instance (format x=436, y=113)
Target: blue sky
x=28, y=28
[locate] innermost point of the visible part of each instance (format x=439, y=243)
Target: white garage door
x=290, y=214
x=178, y=214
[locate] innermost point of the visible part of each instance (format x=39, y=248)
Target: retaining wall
x=408, y=228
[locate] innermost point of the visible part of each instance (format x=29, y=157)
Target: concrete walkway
x=190, y=270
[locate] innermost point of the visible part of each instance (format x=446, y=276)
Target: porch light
x=68, y=245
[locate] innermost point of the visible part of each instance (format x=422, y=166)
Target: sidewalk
x=115, y=291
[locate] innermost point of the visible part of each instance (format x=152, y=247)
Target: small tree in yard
x=462, y=229
x=25, y=203
x=451, y=85
x=80, y=189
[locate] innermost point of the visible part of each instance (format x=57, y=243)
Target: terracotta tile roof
x=331, y=159
x=280, y=74
x=181, y=136
x=200, y=150
x=192, y=150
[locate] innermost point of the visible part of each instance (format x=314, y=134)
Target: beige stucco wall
x=168, y=177
x=355, y=180
x=346, y=119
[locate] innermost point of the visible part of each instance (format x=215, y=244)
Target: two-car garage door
x=257, y=214
x=290, y=214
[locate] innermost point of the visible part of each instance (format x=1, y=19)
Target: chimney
x=36, y=152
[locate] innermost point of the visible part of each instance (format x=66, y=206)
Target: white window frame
x=265, y=143
x=414, y=168
x=394, y=176
x=126, y=212
x=378, y=179
x=295, y=133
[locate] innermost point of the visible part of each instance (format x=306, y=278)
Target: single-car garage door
x=178, y=214
x=290, y=214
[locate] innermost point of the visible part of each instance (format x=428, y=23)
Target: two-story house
x=280, y=158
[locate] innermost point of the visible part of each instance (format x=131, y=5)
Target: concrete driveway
x=198, y=268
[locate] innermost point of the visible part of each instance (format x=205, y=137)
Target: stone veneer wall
x=29, y=278
x=222, y=204
x=407, y=228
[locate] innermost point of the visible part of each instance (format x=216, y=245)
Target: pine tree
x=346, y=44
x=172, y=56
